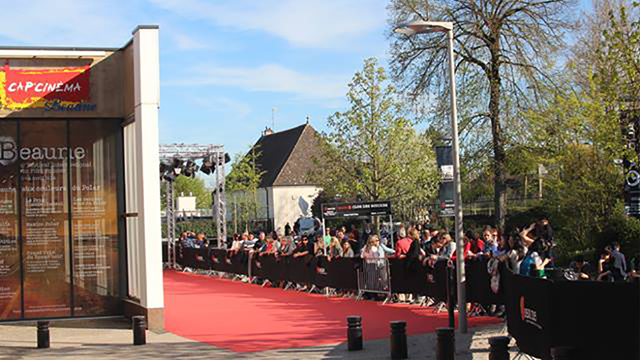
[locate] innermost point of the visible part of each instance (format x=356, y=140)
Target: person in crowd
x=517, y=252
x=605, y=265
x=448, y=245
x=433, y=249
x=347, y=251
x=385, y=235
x=490, y=244
x=319, y=246
x=286, y=246
x=187, y=239
x=472, y=242
x=374, y=249
x=502, y=247
x=612, y=265
x=327, y=236
x=619, y=263
x=475, y=244
x=335, y=248
x=403, y=244
x=304, y=248
x=354, y=233
x=287, y=230
x=533, y=262
x=200, y=240
x=262, y=239
x=581, y=267
x=366, y=232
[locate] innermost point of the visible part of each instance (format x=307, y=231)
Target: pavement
x=113, y=339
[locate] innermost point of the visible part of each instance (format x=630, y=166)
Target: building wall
x=292, y=202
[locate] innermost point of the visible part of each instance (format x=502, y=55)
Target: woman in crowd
x=347, y=251
x=534, y=261
x=335, y=249
x=319, y=246
x=374, y=249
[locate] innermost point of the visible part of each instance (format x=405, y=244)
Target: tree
x=502, y=47
x=242, y=187
x=187, y=185
x=373, y=151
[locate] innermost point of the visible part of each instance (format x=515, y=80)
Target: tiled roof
x=286, y=157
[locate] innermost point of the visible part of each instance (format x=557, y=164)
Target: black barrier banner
x=407, y=275
x=599, y=319
x=347, y=210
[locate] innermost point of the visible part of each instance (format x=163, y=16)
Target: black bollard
x=445, y=344
x=399, y=340
x=451, y=288
x=563, y=353
x=499, y=348
x=43, y=335
x=354, y=333
x=139, y=330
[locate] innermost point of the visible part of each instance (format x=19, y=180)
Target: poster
x=95, y=220
x=44, y=192
x=10, y=301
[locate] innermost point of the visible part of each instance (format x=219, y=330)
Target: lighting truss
x=196, y=152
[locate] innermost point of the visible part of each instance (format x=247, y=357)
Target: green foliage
x=373, y=151
x=187, y=185
x=242, y=187
x=623, y=229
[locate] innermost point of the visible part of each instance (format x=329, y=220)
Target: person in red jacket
x=403, y=245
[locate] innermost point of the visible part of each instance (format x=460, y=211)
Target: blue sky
x=225, y=64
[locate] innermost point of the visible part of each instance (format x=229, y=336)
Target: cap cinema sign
x=61, y=89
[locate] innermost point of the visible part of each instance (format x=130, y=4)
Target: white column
x=146, y=68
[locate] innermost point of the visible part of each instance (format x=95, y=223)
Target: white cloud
x=303, y=23
x=65, y=23
x=270, y=78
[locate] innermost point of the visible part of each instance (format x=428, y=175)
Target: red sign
x=33, y=87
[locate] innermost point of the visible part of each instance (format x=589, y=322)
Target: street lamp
x=422, y=27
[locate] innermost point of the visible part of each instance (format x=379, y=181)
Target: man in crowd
x=619, y=268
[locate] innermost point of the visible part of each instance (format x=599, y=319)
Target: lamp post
x=422, y=27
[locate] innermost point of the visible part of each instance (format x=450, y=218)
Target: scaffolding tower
x=196, y=152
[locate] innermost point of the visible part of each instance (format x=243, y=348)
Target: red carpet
x=245, y=318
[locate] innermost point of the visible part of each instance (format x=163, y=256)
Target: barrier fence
x=600, y=320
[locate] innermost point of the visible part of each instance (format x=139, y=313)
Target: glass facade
x=59, y=238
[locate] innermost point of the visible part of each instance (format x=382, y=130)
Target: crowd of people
x=528, y=251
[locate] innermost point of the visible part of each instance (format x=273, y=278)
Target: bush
x=623, y=229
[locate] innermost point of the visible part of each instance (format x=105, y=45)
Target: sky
x=225, y=64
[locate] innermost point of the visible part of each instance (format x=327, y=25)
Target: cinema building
x=79, y=204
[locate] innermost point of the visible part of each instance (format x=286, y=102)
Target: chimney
x=267, y=131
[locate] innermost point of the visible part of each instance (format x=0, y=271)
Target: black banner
x=363, y=209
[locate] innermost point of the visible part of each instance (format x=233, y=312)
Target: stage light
x=207, y=166
x=190, y=168
x=177, y=166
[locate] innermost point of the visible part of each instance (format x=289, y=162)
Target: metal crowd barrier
x=373, y=277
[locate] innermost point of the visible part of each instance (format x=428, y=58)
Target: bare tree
x=506, y=45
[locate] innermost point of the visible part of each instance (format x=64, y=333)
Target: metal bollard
x=399, y=340
x=445, y=344
x=354, y=333
x=563, y=353
x=499, y=348
x=43, y=335
x=139, y=327
x=451, y=294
